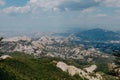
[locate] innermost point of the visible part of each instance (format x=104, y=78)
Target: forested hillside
x=24, y=67
x=27, y=67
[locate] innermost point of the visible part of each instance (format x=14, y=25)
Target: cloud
x=45, y=3
x=78, y=5
x=2, y=3
x=33, y=6
x=101, y=15
x=112, y=3
x=88, y=10
x=14, y=9
x=55, y=5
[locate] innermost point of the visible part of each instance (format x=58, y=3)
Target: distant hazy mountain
x=69, y=31
x=98, y=35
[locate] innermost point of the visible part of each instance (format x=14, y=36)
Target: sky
x=57, y=15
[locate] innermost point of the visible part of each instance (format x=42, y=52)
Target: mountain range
x=98, y=35
x=80, y=55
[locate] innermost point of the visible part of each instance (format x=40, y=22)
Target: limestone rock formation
x=90, y=69
x=72, y=70
x=5, y=57
x=15, y=39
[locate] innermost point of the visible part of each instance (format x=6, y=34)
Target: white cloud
x=45, y=3
x=14, y=9
x=60, y=5
x=88, y=10
x=55, y=5
x=34, y=5
x=112, y=3
x=2, y=3
x=101, y=15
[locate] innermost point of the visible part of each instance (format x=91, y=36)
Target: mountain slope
x=20, y=66
x=27, y=68
x=98, y=35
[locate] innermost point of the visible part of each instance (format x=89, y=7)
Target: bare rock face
x=111, y=66
x=90, y=69
x=62, y=66
x=37, y=44
x=72, y=70
x=50, y=55
x=15, y=39
x=114, y=69
x=45, y=40
x=49, y=46
x=117, y=71
x=5, y=57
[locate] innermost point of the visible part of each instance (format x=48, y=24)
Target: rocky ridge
x=72, y=70
x=48, y=46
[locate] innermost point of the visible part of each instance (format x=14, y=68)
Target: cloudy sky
x=46, y=15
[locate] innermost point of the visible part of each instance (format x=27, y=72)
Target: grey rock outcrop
x=90, y=69
x=72, y=70
x=5, y=57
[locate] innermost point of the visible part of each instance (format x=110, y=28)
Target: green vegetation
x=117, y=57
x=25, y=67
x=115, y=70
x=102, y=65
